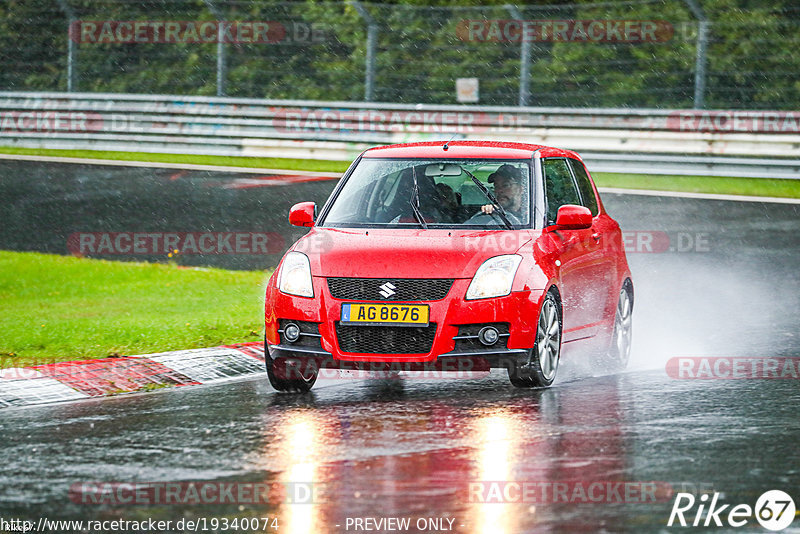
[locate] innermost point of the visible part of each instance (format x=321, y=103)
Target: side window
x=560, y=186
x=584, y=186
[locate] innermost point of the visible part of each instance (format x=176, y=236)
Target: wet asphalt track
x=410, y=447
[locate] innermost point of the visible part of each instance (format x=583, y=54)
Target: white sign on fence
x=467, y=89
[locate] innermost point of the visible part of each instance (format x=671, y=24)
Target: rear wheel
x=620, y=350
x=298, y=378
x=540, y=368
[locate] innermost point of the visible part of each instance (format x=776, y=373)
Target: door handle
x=596, y=236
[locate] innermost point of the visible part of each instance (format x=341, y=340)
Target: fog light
x=291, y=332
x=488, y=335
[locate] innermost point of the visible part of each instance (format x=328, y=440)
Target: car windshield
x=437, y=193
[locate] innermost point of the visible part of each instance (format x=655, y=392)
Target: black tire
x=292, y=379
x=619, y=353
x=539, y=368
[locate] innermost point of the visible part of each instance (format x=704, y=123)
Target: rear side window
x=584, y=186
x=560, y=187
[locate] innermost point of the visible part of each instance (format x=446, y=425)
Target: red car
x=431, y=253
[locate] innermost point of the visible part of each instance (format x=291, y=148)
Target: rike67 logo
x=774, y=510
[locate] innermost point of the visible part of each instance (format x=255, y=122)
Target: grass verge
x=60, y=308
x=195, y=159
x=759, y=187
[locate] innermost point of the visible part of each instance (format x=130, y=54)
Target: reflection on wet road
x=417, y=449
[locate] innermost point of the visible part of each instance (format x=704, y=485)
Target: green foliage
x=317, y=165
x=760, y=187
x=751, y=63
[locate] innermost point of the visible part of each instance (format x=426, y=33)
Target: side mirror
x=573, y=217
x=303, y=214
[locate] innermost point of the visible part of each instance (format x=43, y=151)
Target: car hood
x=405, y=253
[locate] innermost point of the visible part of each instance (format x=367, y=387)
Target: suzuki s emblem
x=387, y=290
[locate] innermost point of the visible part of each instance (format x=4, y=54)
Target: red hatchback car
x=431, y=253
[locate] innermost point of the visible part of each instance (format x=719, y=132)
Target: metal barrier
x=735, y=143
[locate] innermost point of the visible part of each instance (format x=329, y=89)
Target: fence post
x=701, y=57
x=372, y=44
x=222, y=57
x=72, y=50
x=524, y=59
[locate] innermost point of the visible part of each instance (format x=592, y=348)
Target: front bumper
x=451, y=361
x=518, y=310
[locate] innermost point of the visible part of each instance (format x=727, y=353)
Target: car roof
x=467, y=149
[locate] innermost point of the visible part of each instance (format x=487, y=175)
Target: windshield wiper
x=414, y=201
x=485, y=190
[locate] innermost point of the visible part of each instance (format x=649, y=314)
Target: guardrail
x=735, y=143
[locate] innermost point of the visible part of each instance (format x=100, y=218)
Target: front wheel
x=540, y=368
x=298, y=378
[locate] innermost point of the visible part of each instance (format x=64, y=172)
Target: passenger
x=448, y=202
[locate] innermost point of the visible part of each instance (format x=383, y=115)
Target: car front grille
x=398, y=289
x=386, y=339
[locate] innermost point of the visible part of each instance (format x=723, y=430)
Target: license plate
x=385, y=314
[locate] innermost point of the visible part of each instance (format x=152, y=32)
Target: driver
x=508, y=189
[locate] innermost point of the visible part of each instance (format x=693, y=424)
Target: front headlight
x=494, y=277
x=295, y=275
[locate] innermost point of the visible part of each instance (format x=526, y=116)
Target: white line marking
x=704, y=196
x=163, y=165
